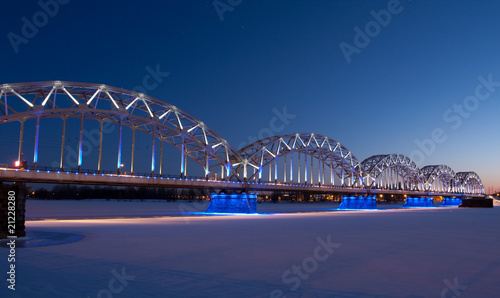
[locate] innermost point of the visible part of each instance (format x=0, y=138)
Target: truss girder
x=406, y=168
x=60, y=99
x=442, y=173
x=53, y=99
x=331, y=153
x=470, y=182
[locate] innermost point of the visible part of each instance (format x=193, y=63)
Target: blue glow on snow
x=227, y=213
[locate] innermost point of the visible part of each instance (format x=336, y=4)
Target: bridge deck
x=57, y=177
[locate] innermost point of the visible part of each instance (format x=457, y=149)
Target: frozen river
x=159, y=249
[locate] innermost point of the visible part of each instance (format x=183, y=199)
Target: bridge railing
x=198, y=178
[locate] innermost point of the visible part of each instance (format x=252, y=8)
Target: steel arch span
x=392, y=171
x=266, y=154
x=439, y=178
x=287, y=160
x=469, y=182
x=163, y=121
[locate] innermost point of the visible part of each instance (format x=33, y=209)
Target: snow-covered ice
x=150, y=249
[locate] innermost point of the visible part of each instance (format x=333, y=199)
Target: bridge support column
x=21, y=137
x=207, y=166
x=61, y=163
x=119, y=161
x=100, y=147
x=161, y=157
x=132, y=161
x=153, y=152
x=284, y=170
x=270, y=172
x=298, y=172
x=183, y=159
x=448, y=202
x=276, y=170
x=305, y=166
x=12, y=225
x=312, y=170
x=358, y=202
x=80, y=144
x=419, y=202
x=332, y=181
x=37, y=137
x=235, y=203
x=343, y=175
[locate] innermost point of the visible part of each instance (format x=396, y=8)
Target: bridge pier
x=448, y=202
x=419, y=202
x=12, y=224
x=358, y=202
x=476, y=203
x=234, y=203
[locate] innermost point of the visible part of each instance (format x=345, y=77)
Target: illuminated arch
x=392, y=171
x=325, y=151
x=470, y=182
x=439, y=178
x=57, y=99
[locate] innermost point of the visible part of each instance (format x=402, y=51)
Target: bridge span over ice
x=294, y=162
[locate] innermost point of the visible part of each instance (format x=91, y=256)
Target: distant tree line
x=72, y=192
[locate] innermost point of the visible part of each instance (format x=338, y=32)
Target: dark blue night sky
x=237, y=68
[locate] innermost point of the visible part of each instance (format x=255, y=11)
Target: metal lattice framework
x=302, y=156
x=392, y=171
x=470, y=182
x=322, y=151
x=165, y=122
x=439, y=177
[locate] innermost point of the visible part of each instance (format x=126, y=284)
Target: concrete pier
x=234, y=203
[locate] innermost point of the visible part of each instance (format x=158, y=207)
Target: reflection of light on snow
x=192, y=216
x=362, y=210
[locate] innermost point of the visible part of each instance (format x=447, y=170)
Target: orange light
x=17, y=163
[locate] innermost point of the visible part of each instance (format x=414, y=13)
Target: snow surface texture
x=157, y=252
